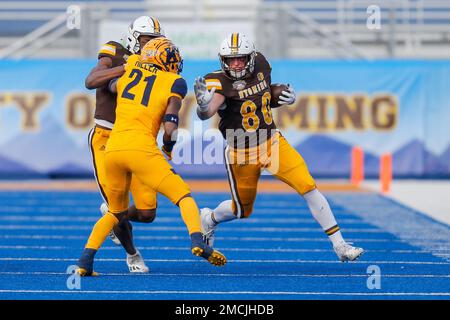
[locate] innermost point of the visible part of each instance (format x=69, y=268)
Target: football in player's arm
x=240, y=92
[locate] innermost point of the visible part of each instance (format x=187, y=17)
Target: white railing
x=348, y=14
x=30, y=40
x=308, y=26
x=84, y=42
x=408, y=27
x=166, y=9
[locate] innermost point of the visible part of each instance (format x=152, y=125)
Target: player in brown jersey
x=111, y=60
x=240, y=93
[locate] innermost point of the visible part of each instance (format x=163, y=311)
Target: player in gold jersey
x=241, y=94
x=148, y=94
x=111, y=59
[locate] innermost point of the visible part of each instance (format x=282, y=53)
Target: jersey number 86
x=250, y=121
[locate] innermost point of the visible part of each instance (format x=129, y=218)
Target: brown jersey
x=245, y=118
x=105, y=108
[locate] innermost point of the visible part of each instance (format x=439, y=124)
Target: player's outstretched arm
x=170, y=120
x=208, y=101
x=102, y=73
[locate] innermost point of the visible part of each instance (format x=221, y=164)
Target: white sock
x=223, y=212
x=133, y=255
x=321, y=211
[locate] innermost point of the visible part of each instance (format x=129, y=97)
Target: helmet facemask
x=248, y=68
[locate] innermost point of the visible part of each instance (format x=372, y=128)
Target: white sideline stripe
x=87, y=201
x=87, y=211
x=324, y=239
x=237, y=261
x=155, y=228
x=55, y=201
x=174, y=213
x=18, y=247
x=151, y=274
x=234, y=292
x=287, y=221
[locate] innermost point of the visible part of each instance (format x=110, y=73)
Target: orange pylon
x=357, y=166
x=386, y=172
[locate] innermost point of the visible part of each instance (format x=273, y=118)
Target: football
x=276, y=90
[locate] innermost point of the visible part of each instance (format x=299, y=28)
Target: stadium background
x=385, y=90
x=396, y=102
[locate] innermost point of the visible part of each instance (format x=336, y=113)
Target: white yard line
x=233, y=292
x=118, y=248
x=182, y=228
x=151, y=274
x=240, y=239
x=237, y=261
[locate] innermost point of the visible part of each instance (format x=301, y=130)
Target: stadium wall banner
x=396, y=107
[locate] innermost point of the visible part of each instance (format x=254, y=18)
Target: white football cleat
x=207, y=229
x=346, y=252
x=136, y=263
x=112, y=235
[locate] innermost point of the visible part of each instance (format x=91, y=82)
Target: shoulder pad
x=110, y=48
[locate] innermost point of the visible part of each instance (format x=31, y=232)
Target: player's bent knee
x=308, y=187
x=186, y=196
x=174, y=188
x=146, y=215
x=120, y=215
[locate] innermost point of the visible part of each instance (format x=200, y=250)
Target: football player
x=111, y=59
x=149, y=93
x=240, y=93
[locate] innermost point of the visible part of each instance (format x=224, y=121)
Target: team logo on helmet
x=164, y=54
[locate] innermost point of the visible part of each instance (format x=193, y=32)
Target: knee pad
x=146, y=215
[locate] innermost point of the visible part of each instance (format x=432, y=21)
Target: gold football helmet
x=162, y=53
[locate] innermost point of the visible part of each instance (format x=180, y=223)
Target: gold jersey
x=143, y=93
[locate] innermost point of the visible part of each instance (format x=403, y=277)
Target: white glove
x=202, y=94
x=287, y=97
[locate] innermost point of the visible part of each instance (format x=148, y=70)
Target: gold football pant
x=153, y=171
x=150, y=168
x=144, y=197
x=244, y=167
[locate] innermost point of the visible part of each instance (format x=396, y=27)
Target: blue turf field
x=279, y=253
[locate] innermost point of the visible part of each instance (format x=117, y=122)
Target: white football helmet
x=237, y=45
x=144, y=25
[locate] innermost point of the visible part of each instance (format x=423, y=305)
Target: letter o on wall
x=79, y=111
